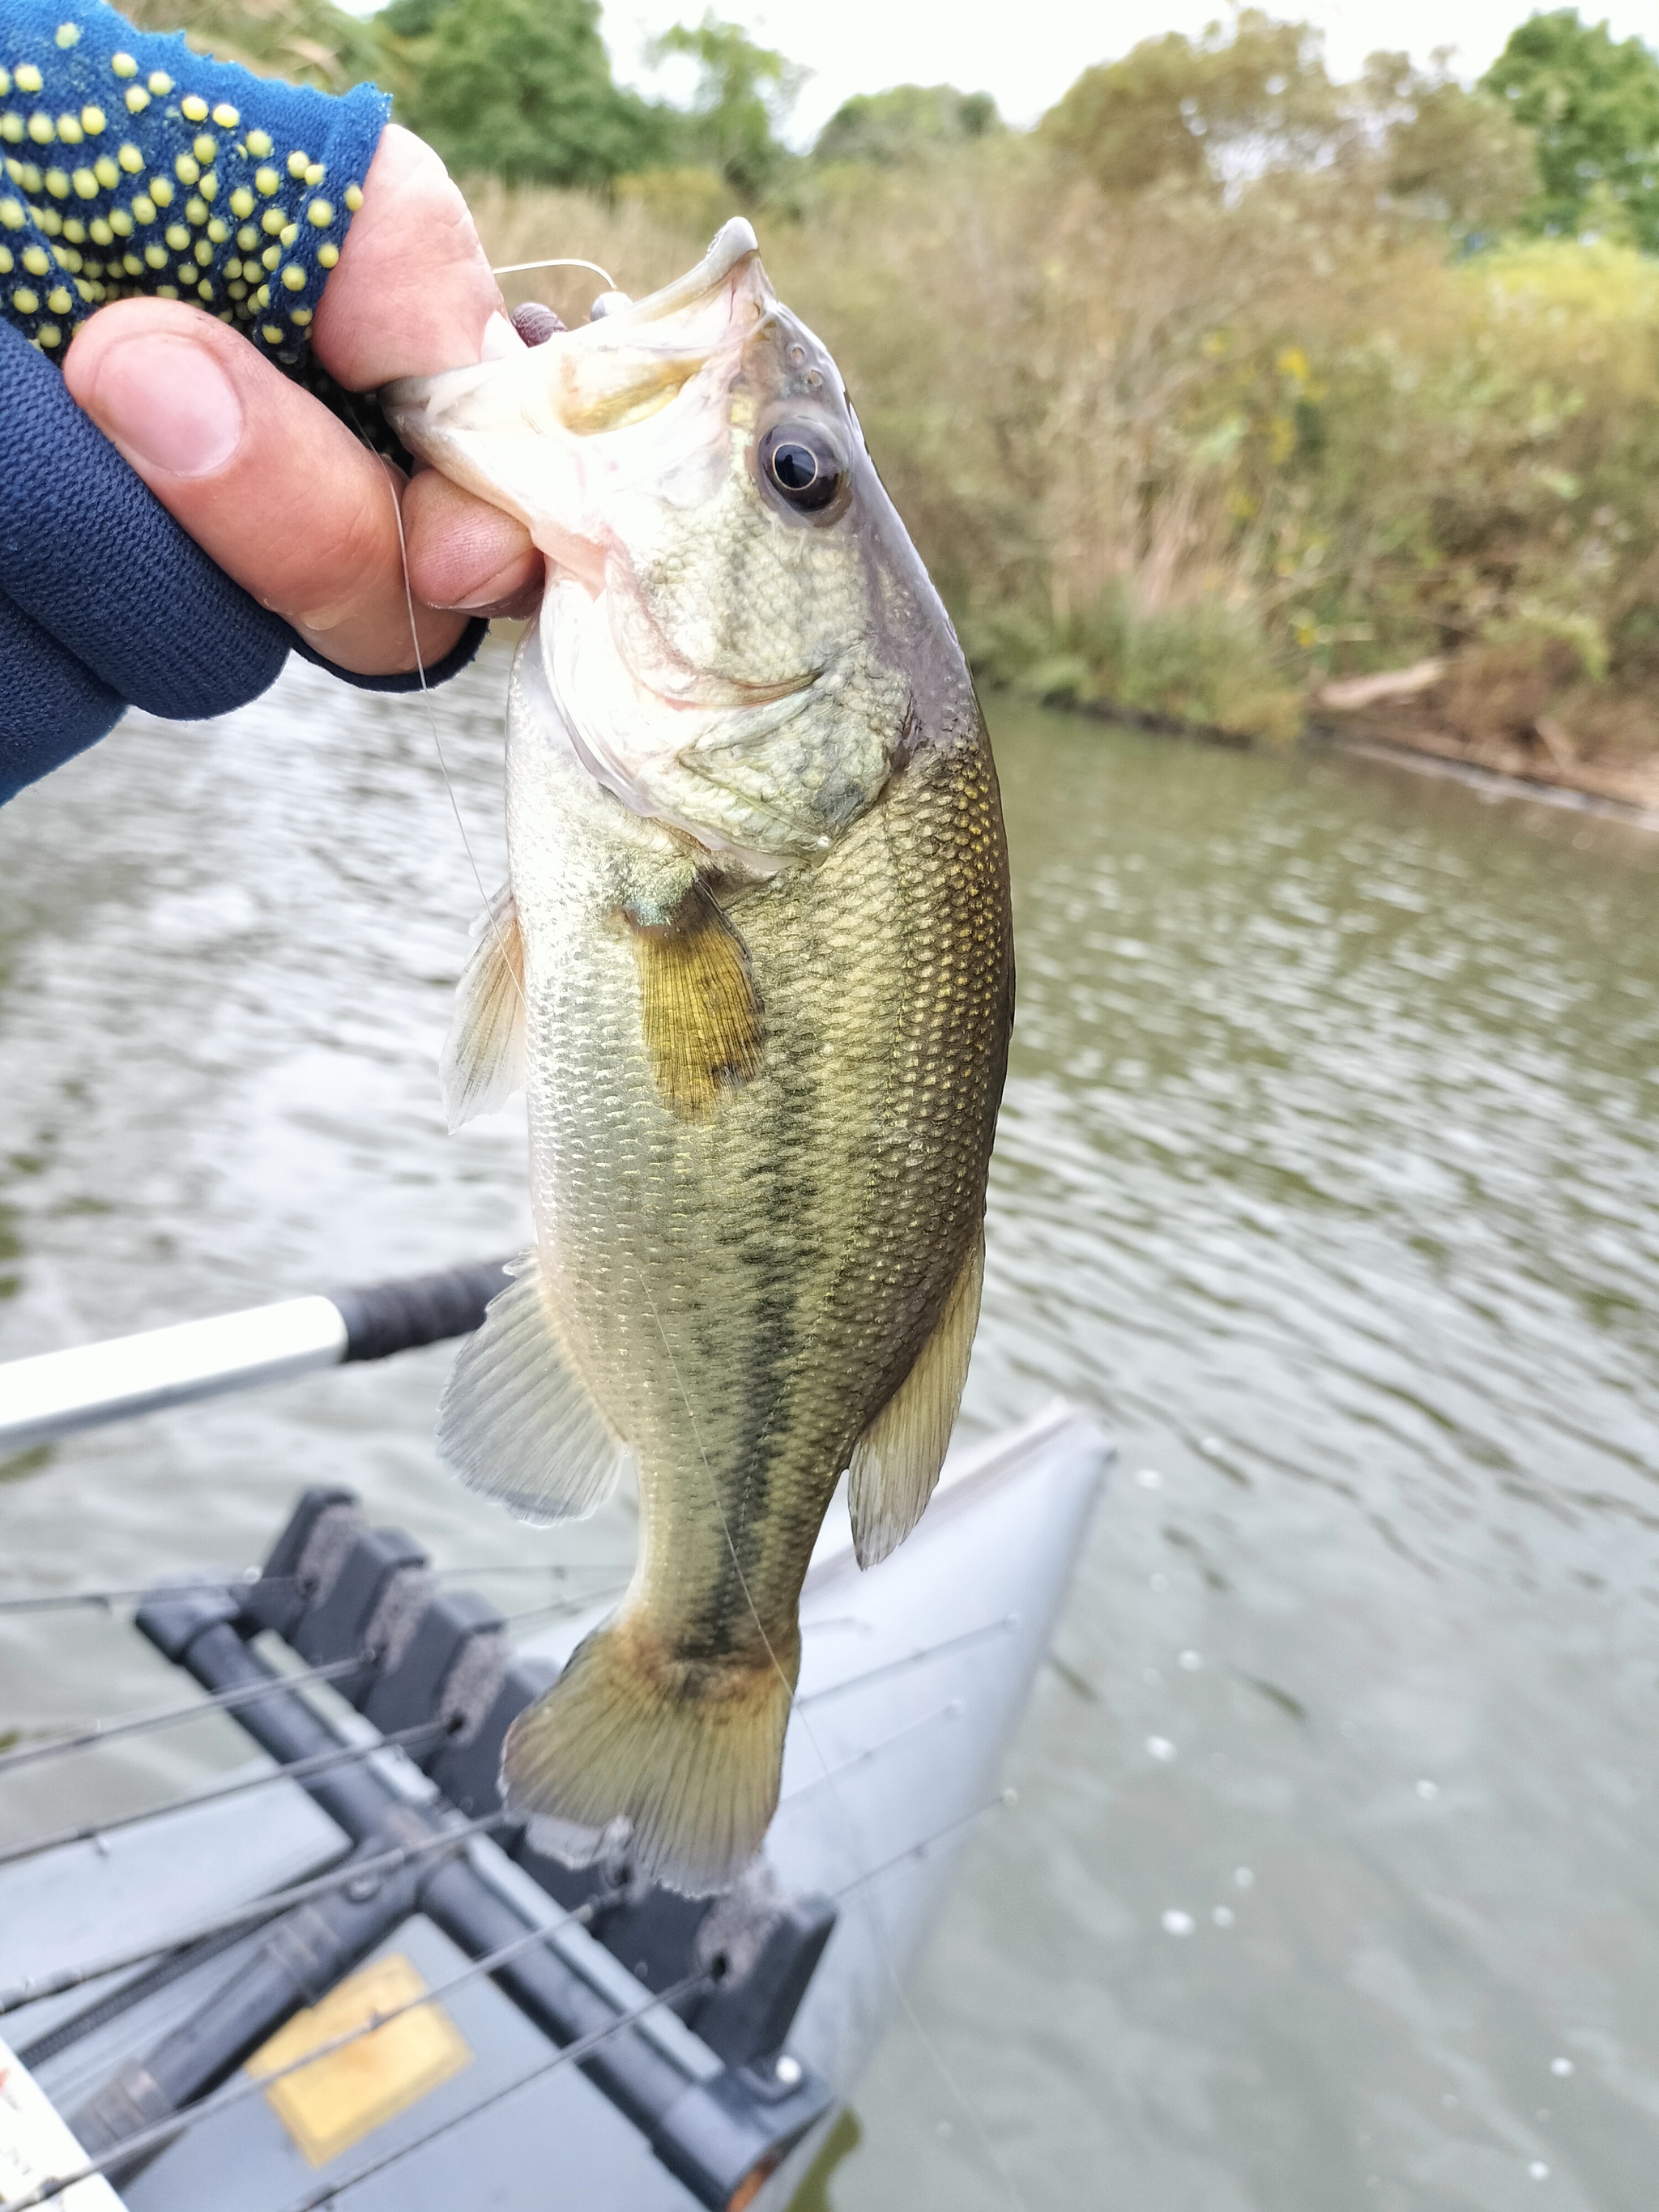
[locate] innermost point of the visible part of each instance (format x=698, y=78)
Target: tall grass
x=1195, y=455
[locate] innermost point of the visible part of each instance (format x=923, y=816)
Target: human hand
x=276, y=489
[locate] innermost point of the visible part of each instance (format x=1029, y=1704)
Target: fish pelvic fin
x=896, y=1462
x=673, y=1761
x=699, y=1009
x=517, y=1421
x=483, y=1060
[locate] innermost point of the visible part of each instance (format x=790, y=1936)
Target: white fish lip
x=414, y=404
x=553, y=434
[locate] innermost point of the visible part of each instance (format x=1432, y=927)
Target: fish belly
x=744, y=1289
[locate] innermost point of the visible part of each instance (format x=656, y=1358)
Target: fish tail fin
x=687, y=1752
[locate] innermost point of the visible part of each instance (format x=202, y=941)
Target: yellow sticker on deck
x=329, y=2107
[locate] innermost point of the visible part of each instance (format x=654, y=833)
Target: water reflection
x=1327, y=1174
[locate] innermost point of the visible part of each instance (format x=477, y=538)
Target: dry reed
x=1194, y=456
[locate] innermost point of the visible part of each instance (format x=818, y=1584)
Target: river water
x=1327, y=1175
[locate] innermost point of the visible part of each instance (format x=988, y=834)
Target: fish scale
x=756, y=973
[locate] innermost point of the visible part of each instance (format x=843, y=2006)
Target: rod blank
x=81, y=1387
x=55, y=1393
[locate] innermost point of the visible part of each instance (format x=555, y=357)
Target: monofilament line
x=302, y=1770
x=571, y=2054
x=559, y=261
x=274, y=1902
x=437, y=742
x=238, y=2091
x=222, y=1701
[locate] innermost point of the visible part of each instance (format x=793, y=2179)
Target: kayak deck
x=643, y=2048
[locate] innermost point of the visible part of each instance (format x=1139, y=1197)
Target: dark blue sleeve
x=104, y=600
x=134, y=166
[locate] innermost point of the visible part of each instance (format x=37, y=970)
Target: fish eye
x=802, y=464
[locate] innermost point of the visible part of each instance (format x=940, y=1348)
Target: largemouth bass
x=754, y=969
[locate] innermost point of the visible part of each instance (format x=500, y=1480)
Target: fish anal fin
x=517, y=1421
x=674, y=1760
x=699, y=1010
x=483, y=1059
x=896, y=1462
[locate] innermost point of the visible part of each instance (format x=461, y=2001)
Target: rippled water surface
x=1327, y=1175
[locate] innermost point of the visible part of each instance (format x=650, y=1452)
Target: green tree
x=1251, y=95
x=309, y=42
x=743, y=94
x=886, y=128
x=521, y=89
x=1593, y=101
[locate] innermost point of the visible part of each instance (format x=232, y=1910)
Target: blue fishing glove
x=133, y=166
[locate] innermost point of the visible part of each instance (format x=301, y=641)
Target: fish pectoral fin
x=516, y=1420
x=483, y=1060
x=699, y=1009
x=896, y=1462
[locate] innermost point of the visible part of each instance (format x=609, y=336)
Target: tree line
x=1559, y=137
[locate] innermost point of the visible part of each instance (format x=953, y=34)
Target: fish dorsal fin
x=896, y=1462
x=517, y=1421
x=699, y=1009
x=483, y=1059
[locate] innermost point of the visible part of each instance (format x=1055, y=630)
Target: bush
x=1196, y=450
x=520, y=88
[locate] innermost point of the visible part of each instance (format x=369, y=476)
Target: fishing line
x=1008, y=1621
x=570, y=2054
x=302, y=1770
x=883, y=1951
x=563, y=261
x=69, y=1600
x=274, y=1903
x=162, y=2132
x=437, y=742
x=881, y=1946
x=223, y=1701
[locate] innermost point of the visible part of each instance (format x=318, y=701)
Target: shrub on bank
x=1197, y=452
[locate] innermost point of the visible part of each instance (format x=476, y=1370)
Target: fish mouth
x=602, y=378
x=563, y=436
x=732, y=248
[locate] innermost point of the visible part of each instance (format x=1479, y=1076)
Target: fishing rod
x=222, y=1701
x=1010, y=1620
x=162, y=2132
x=246, y=1693
x=128, y=1594
x=353, y=1873
x=322, y=1762
x=573, y=2053
x=55, y=1393
x=949, y=1711
x=235, y=1579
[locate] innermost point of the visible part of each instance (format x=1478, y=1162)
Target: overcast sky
x=1027, y=52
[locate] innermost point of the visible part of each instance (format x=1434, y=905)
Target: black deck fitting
x=334, y=1589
